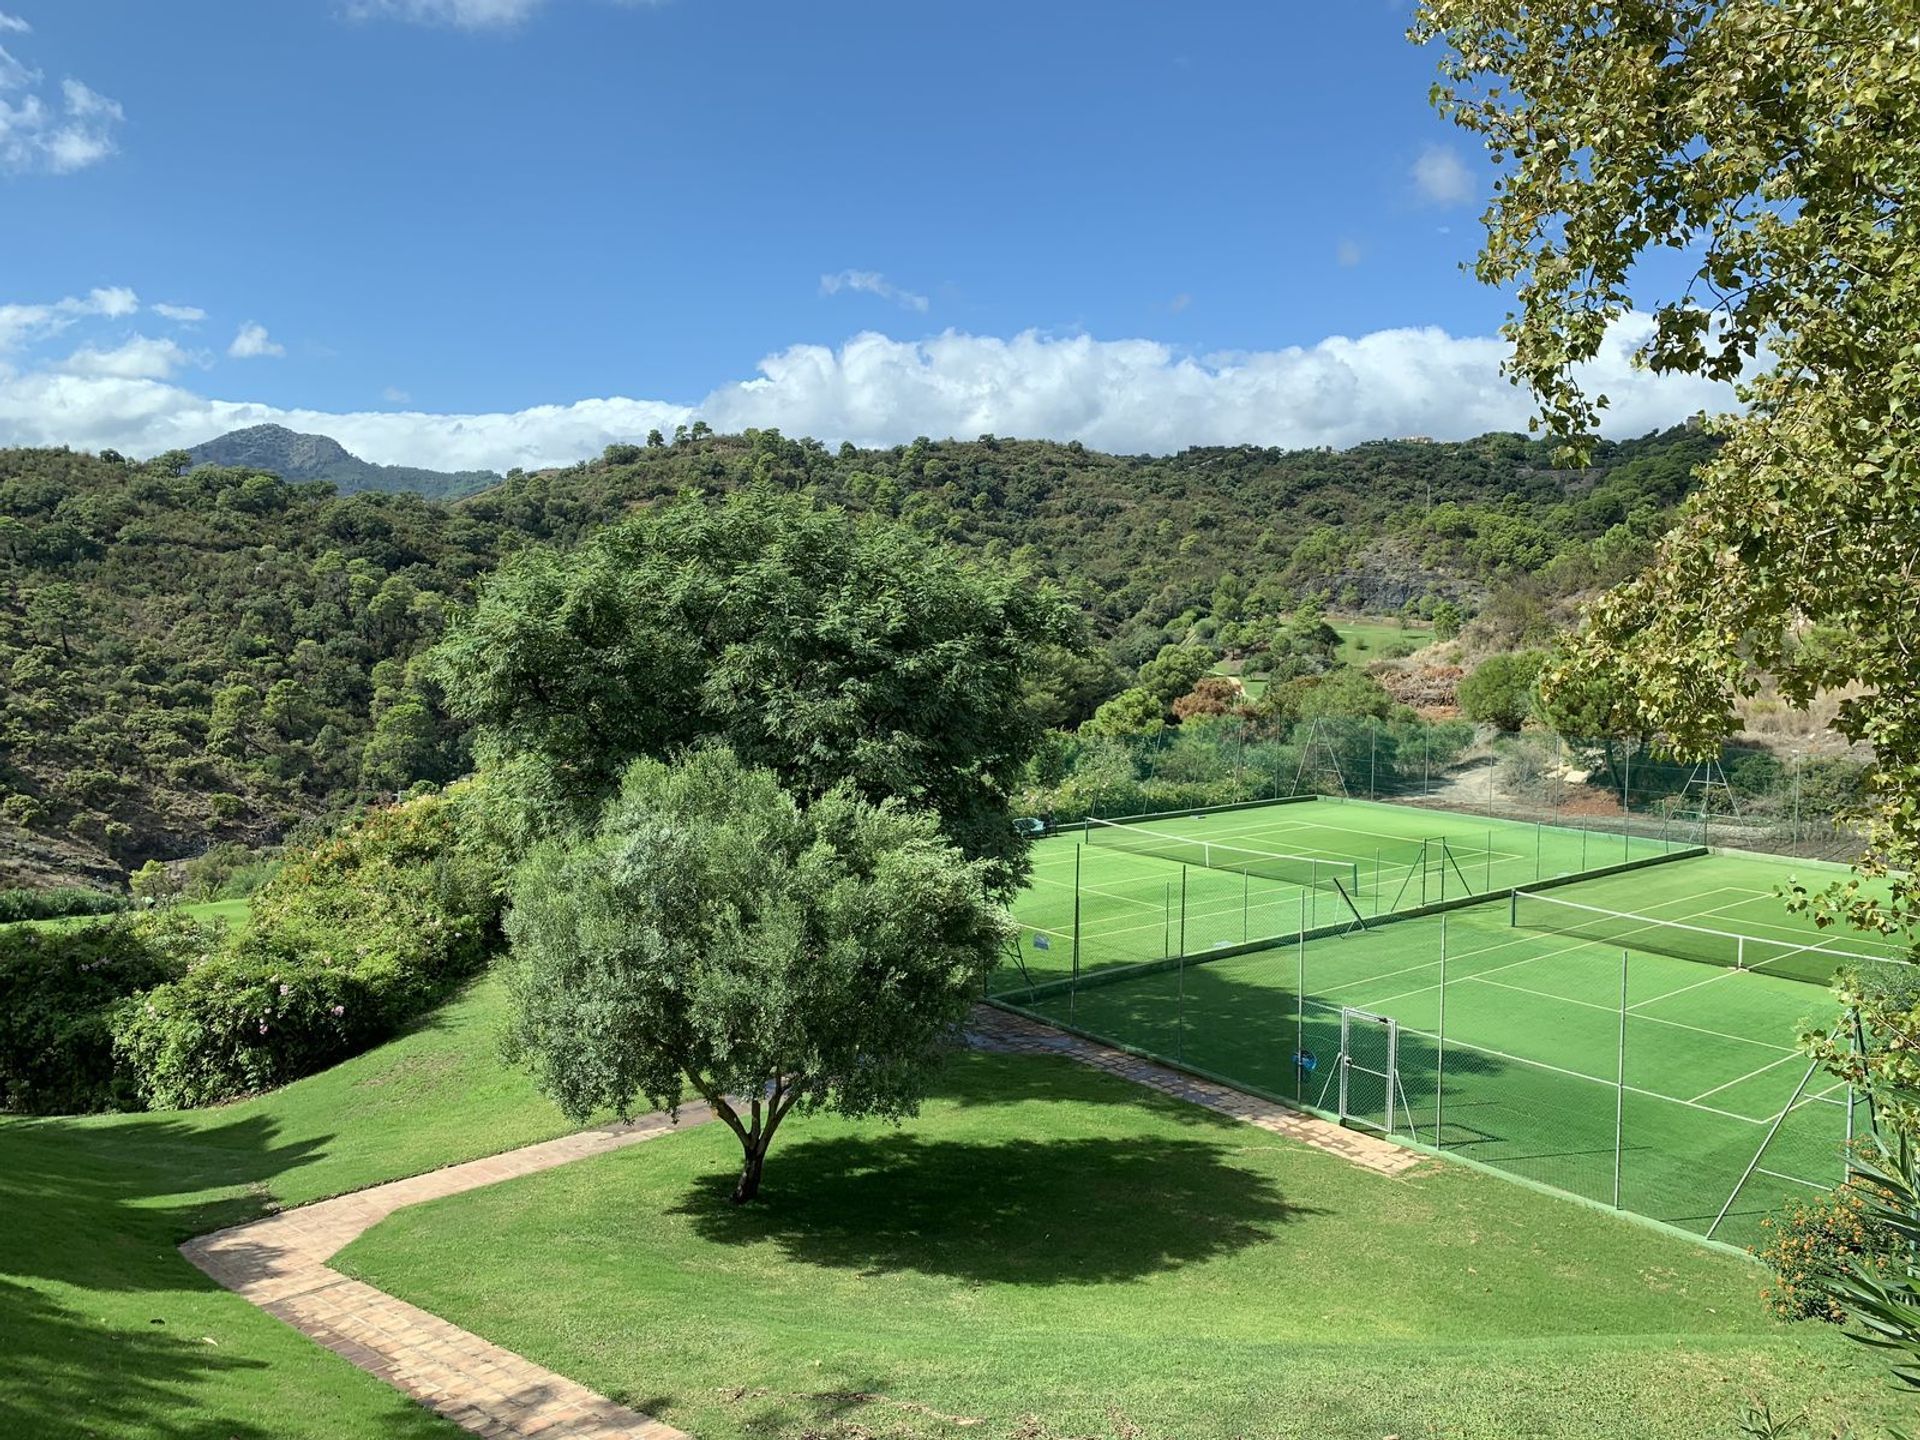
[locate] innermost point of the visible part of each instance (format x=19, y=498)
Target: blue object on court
x=1040, y=942
x=1306, y=1060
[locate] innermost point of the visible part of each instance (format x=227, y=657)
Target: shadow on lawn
x=1059, y=1212
x=71, y=1374
x=102, y=1205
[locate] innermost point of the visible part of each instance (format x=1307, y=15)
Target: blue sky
x=1137, y=223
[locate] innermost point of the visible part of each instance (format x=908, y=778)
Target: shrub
x=1501, y=688
x=59, y=993
x=257, y=1015
x=1822, y=1238
x=356, y=933
x=57, y=903
x=227, y=870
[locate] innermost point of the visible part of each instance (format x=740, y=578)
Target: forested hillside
x=196, y=655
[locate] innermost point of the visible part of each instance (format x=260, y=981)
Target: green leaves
x=820, y=647
x=716, y=933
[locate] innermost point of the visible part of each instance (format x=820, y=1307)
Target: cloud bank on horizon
x=1128, y=396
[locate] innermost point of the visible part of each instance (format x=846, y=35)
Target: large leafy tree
x=716, y=934
x=1773, y=148
x=822, y=647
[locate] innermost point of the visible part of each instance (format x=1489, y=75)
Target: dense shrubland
x=357, y=933
x=218, y=655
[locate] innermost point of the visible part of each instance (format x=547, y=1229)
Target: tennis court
x=1624, y=1057
x=1115, y=894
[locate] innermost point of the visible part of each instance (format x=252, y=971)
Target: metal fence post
x=1183, y=910
x=1300, y=999
x=1620, y=1085
x=1440, y=1047
x=1077, y=849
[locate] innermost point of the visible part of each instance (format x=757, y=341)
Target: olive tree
x=718, y=935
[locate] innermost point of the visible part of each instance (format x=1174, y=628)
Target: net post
x=1620, y=1085
x=1513, y=910
x=1440, y=1047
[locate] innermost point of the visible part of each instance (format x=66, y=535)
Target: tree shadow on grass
x=1025, y=1212
x=68, y=1374
x=101, y=1206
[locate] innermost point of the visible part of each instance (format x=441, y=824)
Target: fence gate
x=1369, y=1073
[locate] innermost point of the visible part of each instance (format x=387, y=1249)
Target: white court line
x=1790, y=1055
x=1582, y=1075
x=1650, y=1019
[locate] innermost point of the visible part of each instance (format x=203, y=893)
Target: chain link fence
x=1747, y=797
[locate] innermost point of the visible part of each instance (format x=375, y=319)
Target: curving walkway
x=280, y=1263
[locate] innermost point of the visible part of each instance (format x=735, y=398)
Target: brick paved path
x=1001, y=1030
x=279, y=1263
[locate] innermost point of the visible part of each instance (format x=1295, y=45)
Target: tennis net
x=1211, y=855
x=1814, y=963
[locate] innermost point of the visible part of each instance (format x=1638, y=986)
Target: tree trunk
x=750, y=1168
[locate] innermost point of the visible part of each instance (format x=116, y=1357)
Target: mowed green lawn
x=1364, y=641
x=228, y=912
x=106, y=1331
x=1051, y=1242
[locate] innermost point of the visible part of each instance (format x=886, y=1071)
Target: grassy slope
x=1049, y=1241
x=231, y=912
x=1364, y=641
x=105, y=1330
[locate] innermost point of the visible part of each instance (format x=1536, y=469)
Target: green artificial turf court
x=1513, y=1050
x=1233, y=876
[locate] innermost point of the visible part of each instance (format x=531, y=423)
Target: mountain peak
x=295, y=457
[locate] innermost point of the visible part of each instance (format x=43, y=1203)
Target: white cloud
x=468, y=14
x=870, y=282
x=36, y=134
x=140, y=357
x=24, y=324
x=1442, y=177
x=394, y=395
x=14, y=24
x=180, y=314
x=252, y=342
x=1125, y=395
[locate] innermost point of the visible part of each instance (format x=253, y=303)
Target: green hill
x=219, y=653
x=276, y=450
